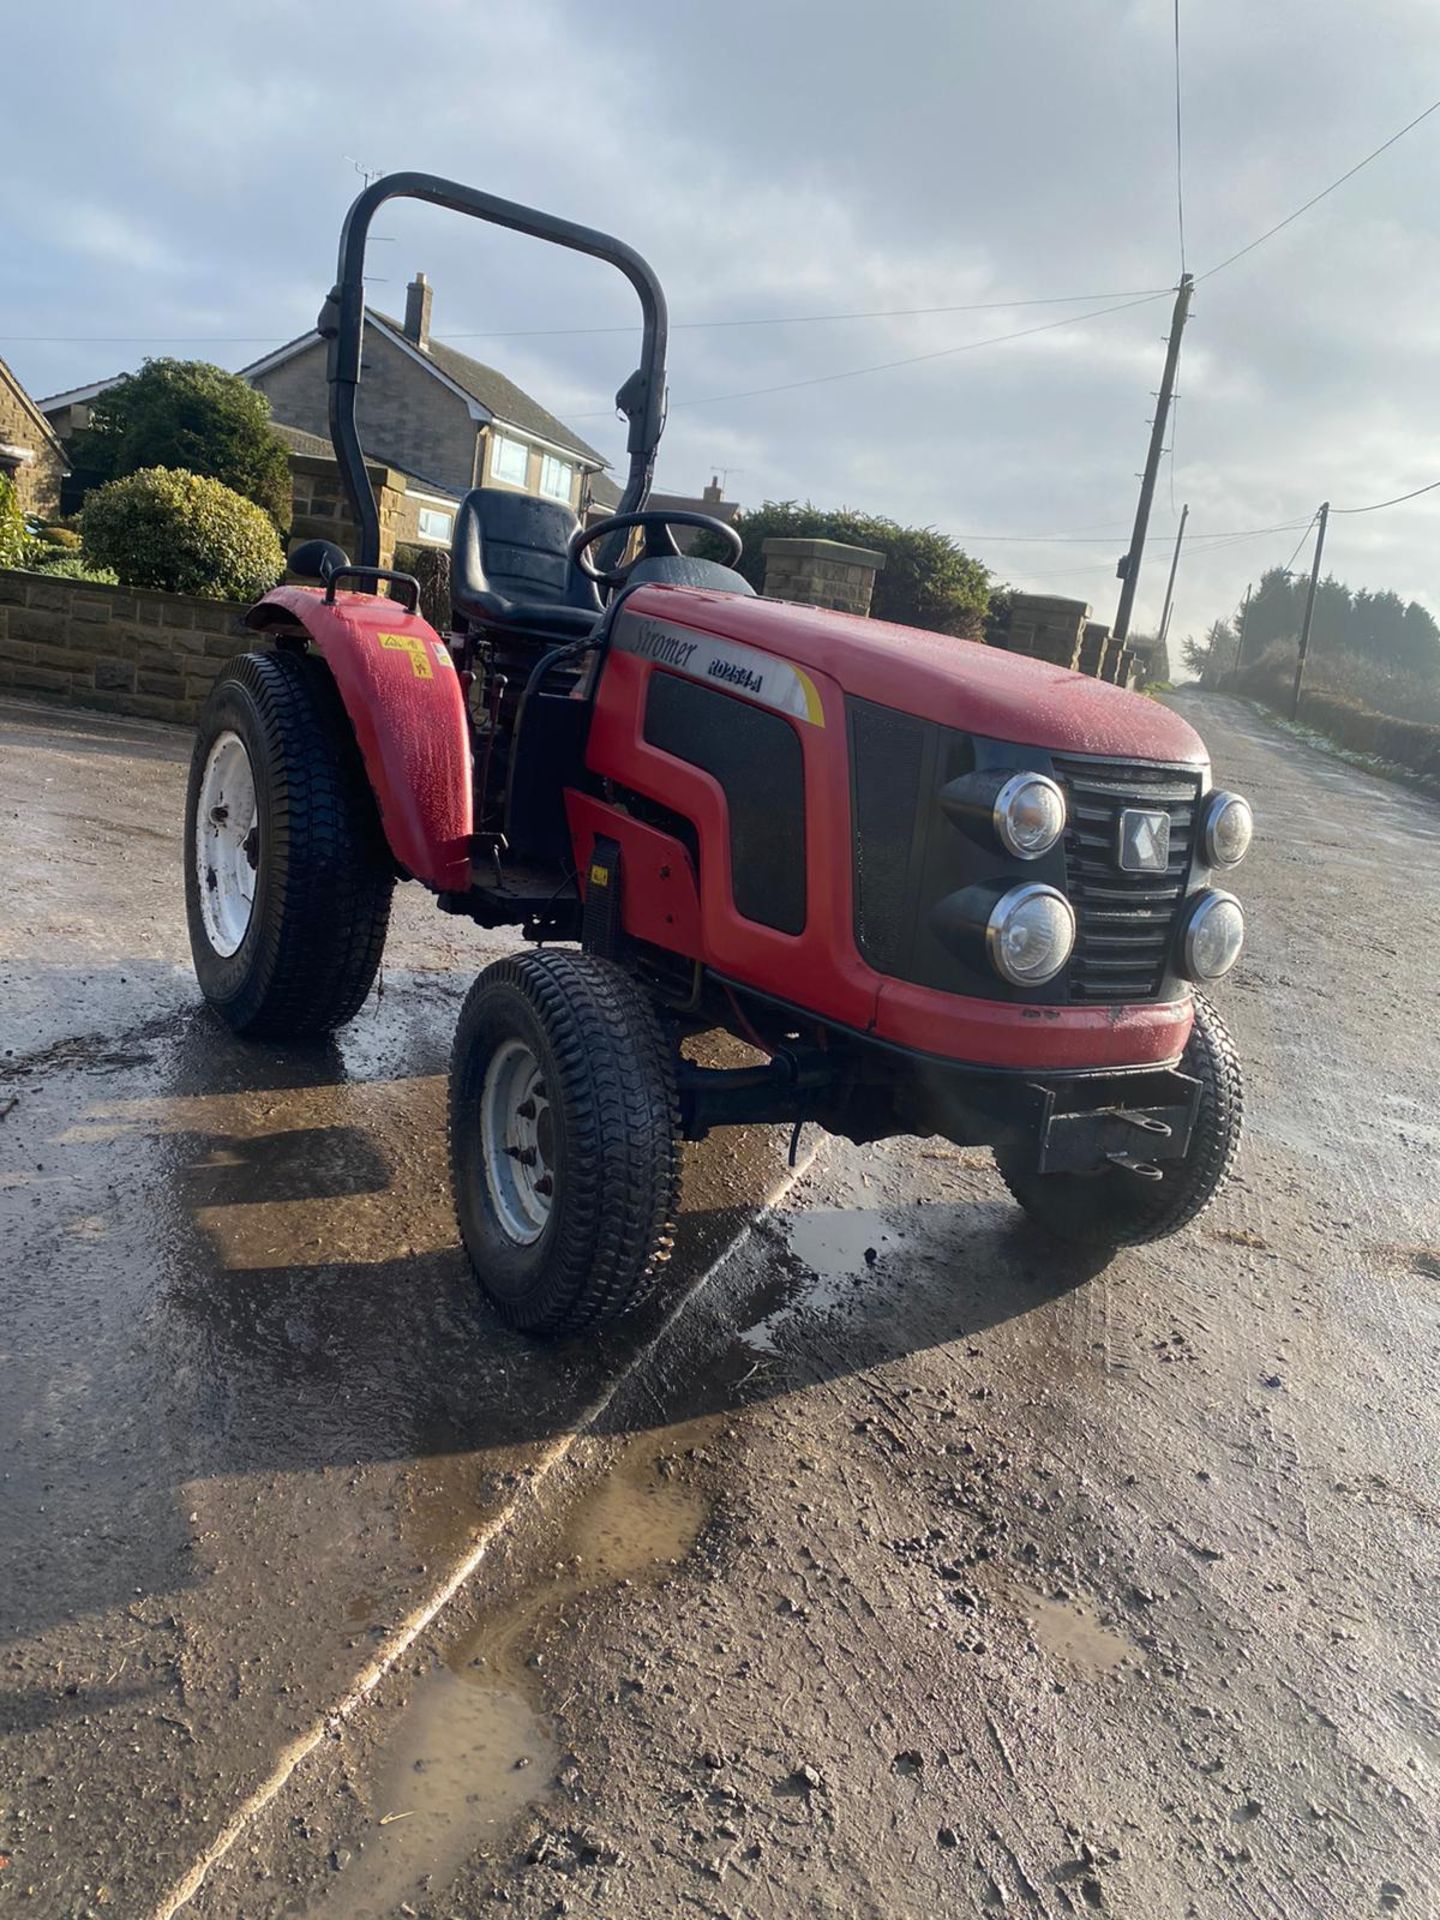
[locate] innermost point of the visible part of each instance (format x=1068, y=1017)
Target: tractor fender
x=403, y=696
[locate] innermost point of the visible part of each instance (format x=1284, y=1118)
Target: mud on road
x=912, y=1568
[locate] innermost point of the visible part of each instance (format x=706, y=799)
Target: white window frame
x=550, y=465
x=501, y=448
x=444, y=534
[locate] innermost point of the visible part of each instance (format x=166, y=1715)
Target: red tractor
x=940, y=889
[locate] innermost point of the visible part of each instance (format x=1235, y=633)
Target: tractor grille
x=1125, y=921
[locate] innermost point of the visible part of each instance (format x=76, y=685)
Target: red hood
x=961, y=683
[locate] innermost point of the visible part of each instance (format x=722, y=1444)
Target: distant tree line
x=1375, y=630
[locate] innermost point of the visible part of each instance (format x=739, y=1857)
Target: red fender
x=405, y=702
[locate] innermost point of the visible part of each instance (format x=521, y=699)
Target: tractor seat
x=509, y=566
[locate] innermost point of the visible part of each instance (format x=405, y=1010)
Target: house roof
x=315, y=446
x=33, y=409
x=604, y=492
x=77, y=396
x=725, y=510
x=497, y=398
x=510, y=405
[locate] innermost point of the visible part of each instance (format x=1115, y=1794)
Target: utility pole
x=1129, y=567
x=1170, y=583
x=1240, y=627
x=1323, y=517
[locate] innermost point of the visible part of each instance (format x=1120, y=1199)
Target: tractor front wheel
x=287, y=876
x=1118, y=1208
x=563, y=1140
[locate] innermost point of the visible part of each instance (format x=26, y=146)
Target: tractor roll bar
x=342, y=324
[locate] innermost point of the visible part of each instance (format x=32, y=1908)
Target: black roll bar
x=342, y=325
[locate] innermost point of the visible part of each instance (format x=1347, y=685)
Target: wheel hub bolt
x=545, y=1184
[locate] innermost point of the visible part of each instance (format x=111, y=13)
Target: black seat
x=509, y=566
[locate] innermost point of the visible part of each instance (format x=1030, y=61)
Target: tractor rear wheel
x=287, y=876
x=563, y=1140
x=1118, y=1208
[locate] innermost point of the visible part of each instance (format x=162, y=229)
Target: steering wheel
x=659, y=541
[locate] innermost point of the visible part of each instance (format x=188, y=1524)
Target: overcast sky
x=176, y=175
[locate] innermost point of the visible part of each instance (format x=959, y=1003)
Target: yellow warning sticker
x=599, y=876
x=407, y=643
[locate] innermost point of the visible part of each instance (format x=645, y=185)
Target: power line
x=814, y=319
x=1179, y=149
x=1315, y=199
x=887, y=366
x=1376, y=505
x=1298, y=544
x=1100, y=537
x=546, y=333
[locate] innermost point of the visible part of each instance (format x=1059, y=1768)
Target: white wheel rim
x=227, y=844
x=517, y=1142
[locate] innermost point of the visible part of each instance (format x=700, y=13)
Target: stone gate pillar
x=822, y=573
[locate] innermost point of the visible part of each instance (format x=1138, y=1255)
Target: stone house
x=434, y=420
x=30, y=450
x=445, y=421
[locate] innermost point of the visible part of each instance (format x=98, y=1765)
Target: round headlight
x=1213, y=936
x=1228, y=831
x=1030, y=935
x=1029, y=815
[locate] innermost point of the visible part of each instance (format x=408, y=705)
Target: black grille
x=888, y=762
x=1125, y=920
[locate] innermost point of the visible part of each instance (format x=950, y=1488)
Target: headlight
x=1229, y=827
x=1214, y=933
x=1030, y=934
x=1029, y=815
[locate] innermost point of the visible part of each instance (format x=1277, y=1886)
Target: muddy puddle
x=1072, y=1630
x=473, y=1746
x=833, y=1250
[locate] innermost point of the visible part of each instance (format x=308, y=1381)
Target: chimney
x=418, y=296
x=714, y=493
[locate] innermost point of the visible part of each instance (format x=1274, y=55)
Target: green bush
x=14, y=541
x=183, y=534
x=58, y=565
x=65, y=539
x=194, y=418
x=927, y=580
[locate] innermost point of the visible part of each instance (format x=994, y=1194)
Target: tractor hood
x=961, y=683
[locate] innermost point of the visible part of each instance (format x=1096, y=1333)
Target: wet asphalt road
x=849, y=1511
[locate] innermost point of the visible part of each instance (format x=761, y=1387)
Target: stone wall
x=821, y=573
x=115, y=648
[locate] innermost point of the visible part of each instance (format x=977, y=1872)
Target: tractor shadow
x=235, y=1260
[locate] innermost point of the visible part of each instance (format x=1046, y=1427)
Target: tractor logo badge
x=758, y=676
x=1144, y=841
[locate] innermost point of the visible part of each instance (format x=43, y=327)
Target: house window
x=436, y=524
x=509, y=459
x=556, y=477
